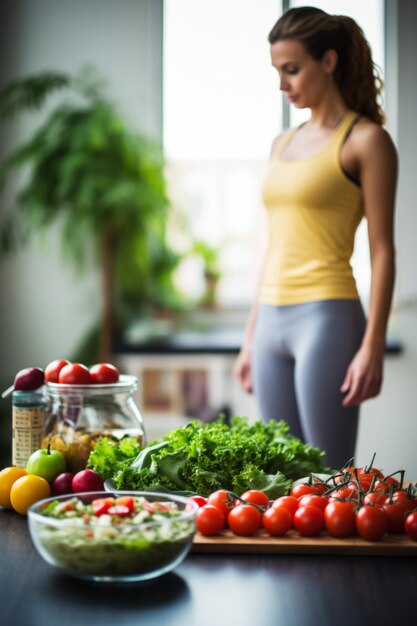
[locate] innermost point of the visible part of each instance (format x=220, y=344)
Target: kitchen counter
x=208, y=590
x=219, y=341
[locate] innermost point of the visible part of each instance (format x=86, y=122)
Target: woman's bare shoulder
x=368, y=136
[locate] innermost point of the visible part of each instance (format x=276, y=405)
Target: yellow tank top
x=314, y=211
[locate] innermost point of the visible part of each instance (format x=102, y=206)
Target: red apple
x=87, y=480
x=62, y=484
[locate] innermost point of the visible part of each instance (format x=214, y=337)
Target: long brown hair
x=356, y=74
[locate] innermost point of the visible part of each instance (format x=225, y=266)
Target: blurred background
x=135, y=168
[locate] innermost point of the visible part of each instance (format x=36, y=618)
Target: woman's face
x=302, y=78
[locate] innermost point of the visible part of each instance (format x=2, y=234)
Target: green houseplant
x=104, y=183
x=210, y=256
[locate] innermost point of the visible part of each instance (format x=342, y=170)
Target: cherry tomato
x=102, y=505
x=302, y=490
x=74, y=374
x=128, y=501
x=410, y=525
x=199, y=500
x=365, y=483
x=210, y=520
x=52, y=370
x=375, y=497
x=343, y=475
x=308, y=520
x=244, y=519
x=320, y=487
x=371, y=522
x=403, y=497
x=349, y=491
x=221, y=499
x=381, y=487
x=339, y=518
x=396, y=514
x=364, y=472
x=277, y=521
x=289, y=502
x=320, y=501
x=104, y=374
x=390, y=480
x=254, y=496
x=158, y=506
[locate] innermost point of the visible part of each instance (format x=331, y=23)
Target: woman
x=309, y=354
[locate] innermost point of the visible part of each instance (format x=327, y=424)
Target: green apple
x=46, y=463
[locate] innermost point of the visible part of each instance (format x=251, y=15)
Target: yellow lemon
x=27, y=490
x=8, y=476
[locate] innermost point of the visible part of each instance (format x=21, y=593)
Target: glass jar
x=78, y=415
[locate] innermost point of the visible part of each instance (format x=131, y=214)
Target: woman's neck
x=329, y=112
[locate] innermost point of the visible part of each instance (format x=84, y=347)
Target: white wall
x=388, y=423
x=401, y=98
x=45, y=308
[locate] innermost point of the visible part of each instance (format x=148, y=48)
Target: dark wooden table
x=209, y=590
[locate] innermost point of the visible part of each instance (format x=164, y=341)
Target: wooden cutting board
x=294, y=543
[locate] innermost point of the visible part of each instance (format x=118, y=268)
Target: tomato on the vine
x=320, y=487
x=319, y=501
x=302, y=489
x=339, y=518
x=199, y=500
x=244, y=519
x=349, y=491
x=308, y=520
x=277, y=521
x=222, y=500
x=396, y=512
x=410, y=525
x=404, y=498
x=375, y=497
x=371, y=522
x=210, y=520
x=369, y=473
x=255, y=496
x=289, y=502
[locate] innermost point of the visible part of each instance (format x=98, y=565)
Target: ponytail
x=356, y=74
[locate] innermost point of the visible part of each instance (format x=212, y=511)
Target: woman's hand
x=363, y=378
x=242, y=369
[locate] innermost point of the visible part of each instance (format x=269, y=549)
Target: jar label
x=27, y=433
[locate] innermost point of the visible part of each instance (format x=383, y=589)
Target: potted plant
x=210, y=256
x=104, y=182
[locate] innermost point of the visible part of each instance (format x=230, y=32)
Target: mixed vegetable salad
x=112, y=536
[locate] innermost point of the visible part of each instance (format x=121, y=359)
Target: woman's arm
x=378, y=166
x=242, y=368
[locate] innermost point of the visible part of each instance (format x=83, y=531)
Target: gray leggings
x=301, y=354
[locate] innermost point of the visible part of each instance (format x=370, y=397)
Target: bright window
x=222, y=108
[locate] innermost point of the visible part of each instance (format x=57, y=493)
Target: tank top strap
x=343, y=129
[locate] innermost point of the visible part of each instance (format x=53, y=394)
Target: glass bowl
x=112, y=547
